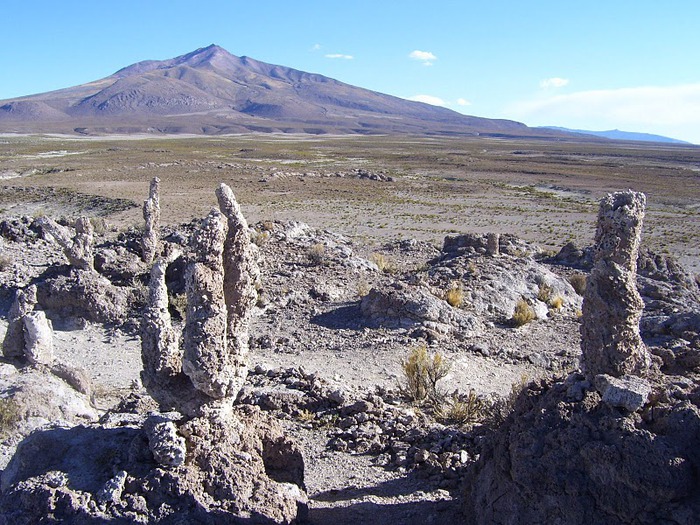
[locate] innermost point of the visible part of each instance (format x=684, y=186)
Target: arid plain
x=543, y=190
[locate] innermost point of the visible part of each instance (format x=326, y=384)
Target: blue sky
x=599, y=64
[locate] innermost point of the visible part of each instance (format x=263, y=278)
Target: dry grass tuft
x=463, y=409
x=455, y=295
x=523, y=313
x=556, y=302
x=317, y=254
x=578, y=282
x=384, y=263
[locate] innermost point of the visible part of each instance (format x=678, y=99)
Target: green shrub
x=422, y=372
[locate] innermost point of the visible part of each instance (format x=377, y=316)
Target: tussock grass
x=523, y=313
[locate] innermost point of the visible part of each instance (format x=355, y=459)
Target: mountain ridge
x=211, y=91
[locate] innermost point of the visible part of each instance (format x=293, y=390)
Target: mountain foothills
x=210, y=91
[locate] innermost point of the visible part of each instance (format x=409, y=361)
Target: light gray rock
x=78, y=246
x=13, y=344
x=628, y=392
x=38, y=338
x=612, y=306
x=167, y=447
x=151, y=216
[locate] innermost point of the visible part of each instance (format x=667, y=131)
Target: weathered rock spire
x=151, y=216
x=612, y=306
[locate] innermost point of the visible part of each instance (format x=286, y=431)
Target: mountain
x=616, y=134
x=210, y=91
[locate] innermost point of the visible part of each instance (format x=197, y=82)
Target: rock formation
x=78, y=248
x=612, y=306
x=13, y=344
x=151, y=216
x=492, y=244
x=592, y=448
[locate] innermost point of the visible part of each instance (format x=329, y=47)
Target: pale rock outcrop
x=38, y=338
x=167, y=447
x=205, y=359
x=242, y=276
x=151, y=216
x=612, y=306
x=160, y=347
x=78, y=247
x=492, y=244
x=14, y=343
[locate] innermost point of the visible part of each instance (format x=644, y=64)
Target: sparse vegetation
x=556, y=302
x=544, y=293
x=9, y=415
x=455, y=295
x=523, y=313
x=363, y=288
x=421, y=374
x=177, y=305
x=384, y=263
x=578, y=282
x=462, y=409
x=317, y=254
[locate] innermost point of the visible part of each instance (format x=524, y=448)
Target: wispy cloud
x=554, y=82
x=315, y=47
x=339, y=55
x=463, y=102
x=667, y=110
x=428, y=99
x=426, y=57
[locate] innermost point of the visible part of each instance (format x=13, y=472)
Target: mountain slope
x=616, y=134
x=212, y=91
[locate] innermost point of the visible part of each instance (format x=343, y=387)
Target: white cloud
x=673, y=111
x=339, y=55
x=426, y=57
x=554, y=82
x=428, y=99
x=463, y=102
x=315, y=47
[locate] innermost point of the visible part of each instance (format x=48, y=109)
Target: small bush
x=523, y=313
x=9, y=415
x=317, y=254
x=363, y=288
x=455, y=296
x=556, y=302
x=461, y=409
x=99, y=225
x=544, y=294
x=178, y=306
x=260, y=238
x=421, y=374
x=384, y=263
x=578, y=282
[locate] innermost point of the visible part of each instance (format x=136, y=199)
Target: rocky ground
x=333, y=322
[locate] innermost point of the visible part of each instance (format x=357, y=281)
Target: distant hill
x=616, y=134
x=210, y=91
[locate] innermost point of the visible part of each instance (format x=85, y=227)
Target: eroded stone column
x=241, y=277
x=206, y=360
x=160, y=345
x=493, y=244
x=151, y=216
x=13, y=344
x=77, y=248
x=612, y=306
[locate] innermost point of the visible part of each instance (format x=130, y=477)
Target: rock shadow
x=347, y=316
